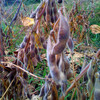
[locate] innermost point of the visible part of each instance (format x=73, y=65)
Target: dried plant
x=48, y=28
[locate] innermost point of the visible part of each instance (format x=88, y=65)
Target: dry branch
x=23, y=70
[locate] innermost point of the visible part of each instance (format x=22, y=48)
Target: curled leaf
x=27, y=21
x=95, y=29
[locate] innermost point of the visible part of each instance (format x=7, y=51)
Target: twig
x=77, y=78
x=16, y=14
x=23, y=70
x=74, y=75
x=73, y=94
x=7, y=90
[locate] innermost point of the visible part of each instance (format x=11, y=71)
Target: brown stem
x=23, y=70
x=7, y=90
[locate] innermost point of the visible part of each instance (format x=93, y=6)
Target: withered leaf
x=27, y=21
x=95, y=29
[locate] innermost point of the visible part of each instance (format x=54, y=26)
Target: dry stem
x=7, y=90
x=23, y=70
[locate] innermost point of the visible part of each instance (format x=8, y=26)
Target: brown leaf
x=27, y=21
x=95, y=29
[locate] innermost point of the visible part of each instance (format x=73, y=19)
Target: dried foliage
x=48, y=29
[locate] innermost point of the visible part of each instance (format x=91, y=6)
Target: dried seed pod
x=25, y=60
x=1, y=69
x=90, y=74
x=64, y=66
x=69, y=74
x=48, y=10
x=42, y=39
x=34, y=61
x=55, y=10
x=18, y=63
x=32, y=39
x=55, y=17
x=42, y=91
x=70, y=44
x=27, y=50
x=56, y=74
x=59, y=1
x=52, y=19
x=63, y=36
x=32, y=54
x=26, y=38
x=25, y=75
x=50, y=56
x=97, y=86
x=20, y=57
x=53, y=3
x=83, y=97
x=36, y=51
x=64, y=87
x=32, y=47
x=22, y=45
x=54, y=92
x=44, y=45
x=89, y=87
x=51, y=12
x=61, y=63
x=38, y=58
x=46, y=90
x=90, y=71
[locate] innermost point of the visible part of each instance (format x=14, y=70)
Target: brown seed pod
x=42, y=39
x=52, y=19
x=27, y=50
x=32, y=39
x=42, y=91
x=97, y=86
x=36, y=51
x=25, y=60
x=25, y=75
x=59, y=1
x=55, y=10
x=19, y=63
x=63, y=35
x=90, y=74
x=50, y=56
x=38, y=58
x=32, y=54
x=34, y=61
x=51, y=12
x=32, y=46
x=70, y=44
x=48, y=10
x=22, y=45
x=26, y=38
x=44, y=45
